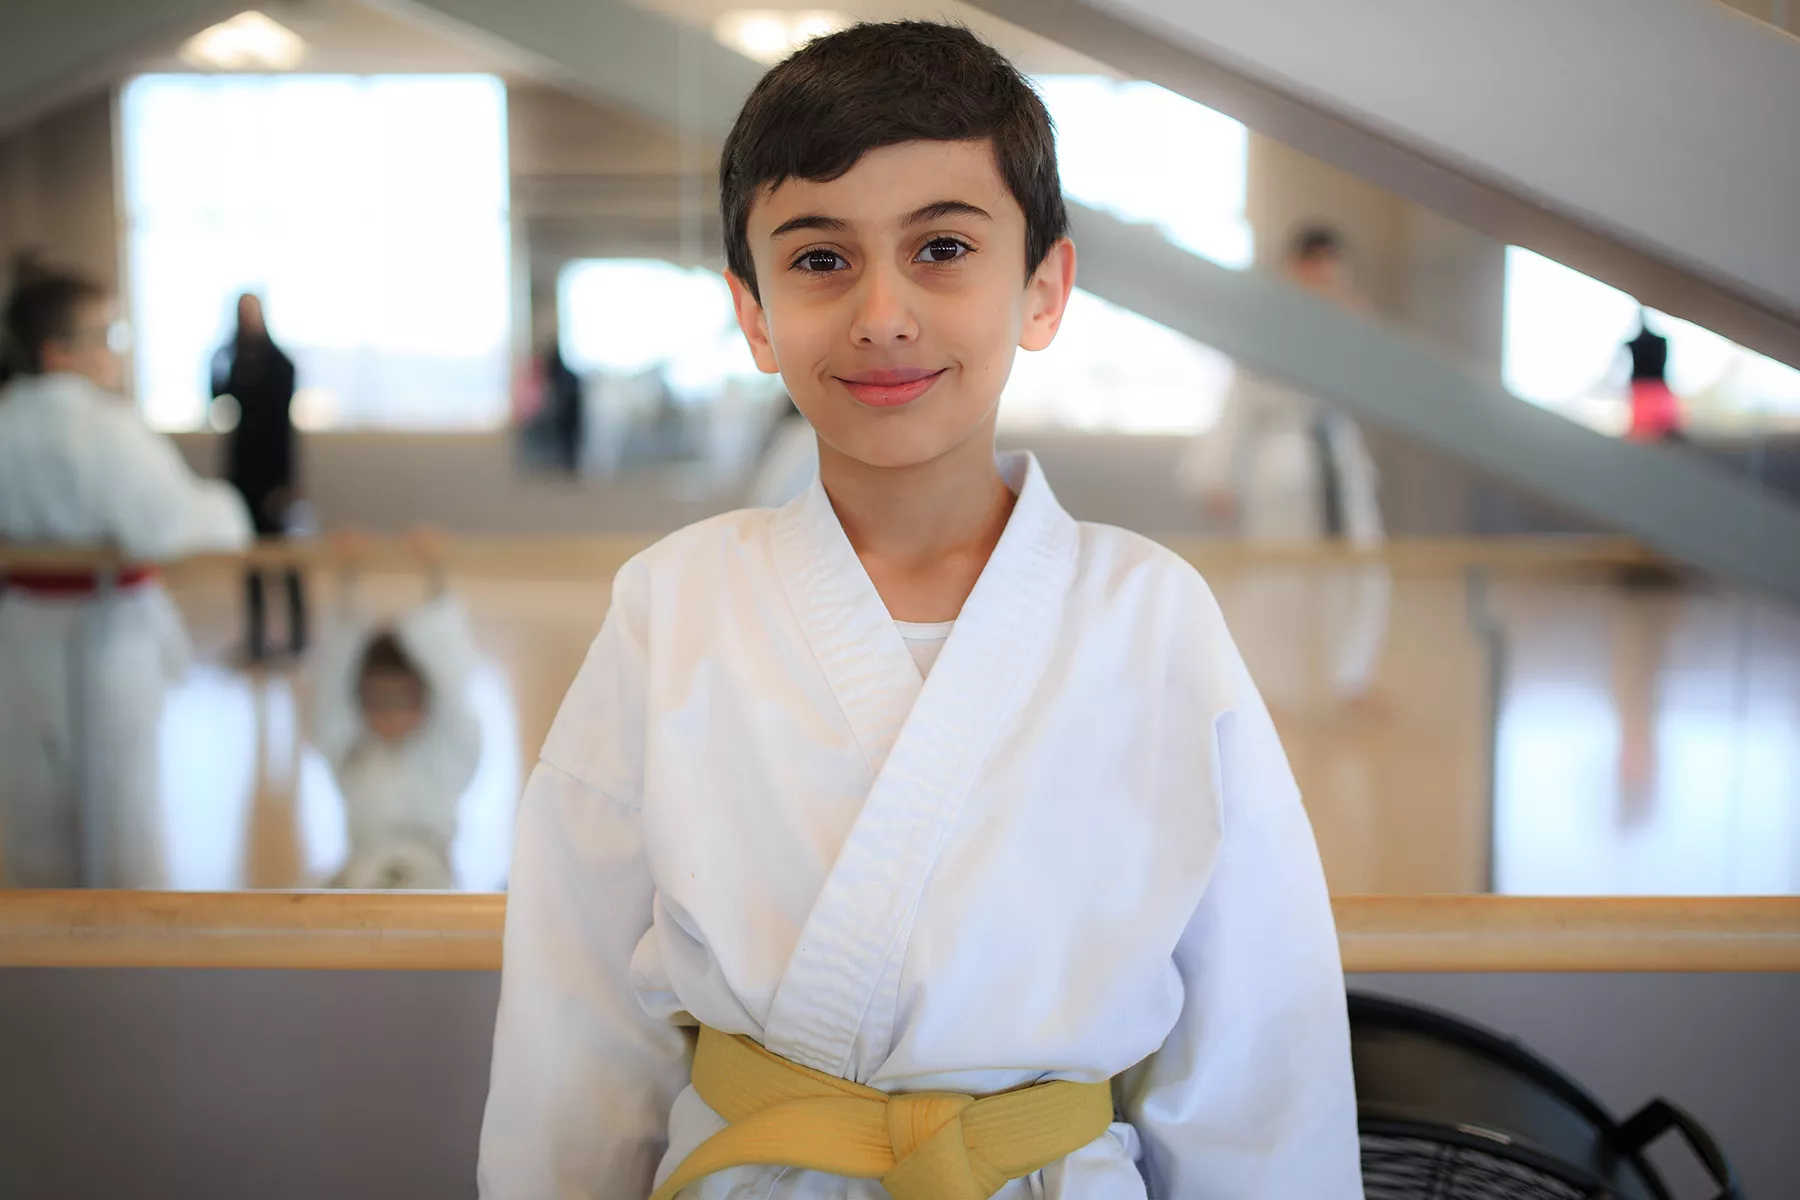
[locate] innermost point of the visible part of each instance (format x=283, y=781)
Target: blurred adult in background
x=562, y=404
x=252, y=370
x=84, y=661
x=1285, y=467
x=1655, y=417
x=549, y=408
x=1655, y=412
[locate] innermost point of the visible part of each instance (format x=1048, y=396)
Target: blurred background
x=1457, y=345
x=1490, y=448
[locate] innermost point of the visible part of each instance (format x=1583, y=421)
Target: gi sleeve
x=1251, y=1096
x=440, y=641
x=334, y=710
x=1213, y=462
x=156, y=507
x=583, y=1078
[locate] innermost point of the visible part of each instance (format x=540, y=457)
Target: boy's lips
x=890, y=387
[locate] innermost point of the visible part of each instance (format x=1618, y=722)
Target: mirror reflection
x=389, y=339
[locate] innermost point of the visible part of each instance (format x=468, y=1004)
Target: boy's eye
x=819, y=262
x=942, y=250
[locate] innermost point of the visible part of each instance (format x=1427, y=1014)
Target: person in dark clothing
x=1655, y=417
x=1655, y=412
x=253, y=371
x=562, y=400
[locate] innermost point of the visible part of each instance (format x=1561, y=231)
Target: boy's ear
x=1047, y=296
x=754, y=322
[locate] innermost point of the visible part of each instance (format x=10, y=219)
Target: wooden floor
x=1647, y=742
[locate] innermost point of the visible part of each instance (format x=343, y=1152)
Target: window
x=1110, y=369
x=1143, y=153
x=667, y=376
x=625, y=316
x=370, y=212
x=1563, y=339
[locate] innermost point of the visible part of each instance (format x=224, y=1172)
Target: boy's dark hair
x=44, y=307
x=1315, y=241
x=835, y=99
x=384, y=655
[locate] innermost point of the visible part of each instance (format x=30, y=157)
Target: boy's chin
x=896, y=448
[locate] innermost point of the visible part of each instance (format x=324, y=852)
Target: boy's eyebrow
x=939, y=209
x=810, y=221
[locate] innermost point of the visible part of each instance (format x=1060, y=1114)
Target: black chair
x=1450, y=1111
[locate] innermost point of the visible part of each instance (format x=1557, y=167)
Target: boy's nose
x=884, y=313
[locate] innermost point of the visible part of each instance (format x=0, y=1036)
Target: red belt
x=75, y=583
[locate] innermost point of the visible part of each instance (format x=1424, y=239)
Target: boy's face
x=894, y=297
x=1321, y=271
x=393, y=704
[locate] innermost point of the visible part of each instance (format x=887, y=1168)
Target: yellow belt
x=926, y=1146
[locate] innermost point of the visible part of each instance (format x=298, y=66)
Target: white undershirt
x=924, y=641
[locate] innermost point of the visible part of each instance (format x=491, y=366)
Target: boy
x=1048, y=855
x=78, y=467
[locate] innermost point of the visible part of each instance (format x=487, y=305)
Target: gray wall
x=281, y=1086
x=297, y=1085
x=56, y=189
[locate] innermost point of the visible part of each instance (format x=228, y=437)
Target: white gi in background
x=1073, y=851
x=1304, y=630
x=79, y=468
x=789, y=466
x=401, y=799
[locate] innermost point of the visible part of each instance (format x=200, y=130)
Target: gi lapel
x=847, y=627
x=821, y=1015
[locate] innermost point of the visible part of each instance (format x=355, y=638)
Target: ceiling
x=1034, y=54
x=392, y=36
x=355, y=37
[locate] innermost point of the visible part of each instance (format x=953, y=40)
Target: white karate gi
x=1074, y=852
x=1306, y=631
x=78, y=467
x=400, y=798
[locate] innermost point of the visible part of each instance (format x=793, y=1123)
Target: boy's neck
x=925, y=532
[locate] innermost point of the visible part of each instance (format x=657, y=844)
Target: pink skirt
x=1655, y=412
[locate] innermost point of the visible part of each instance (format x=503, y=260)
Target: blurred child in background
x=391, y=715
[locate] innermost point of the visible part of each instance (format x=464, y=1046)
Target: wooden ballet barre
x=581, y=556
x=1476, y=933
x=389, y=931
x=601, y=556
x=393, y=931
x=1424, y=555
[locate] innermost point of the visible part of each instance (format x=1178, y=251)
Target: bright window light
x=370, y=212
x=1563, y=340
x=628, y=316
x=1145, y=154
x=1111, y=370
